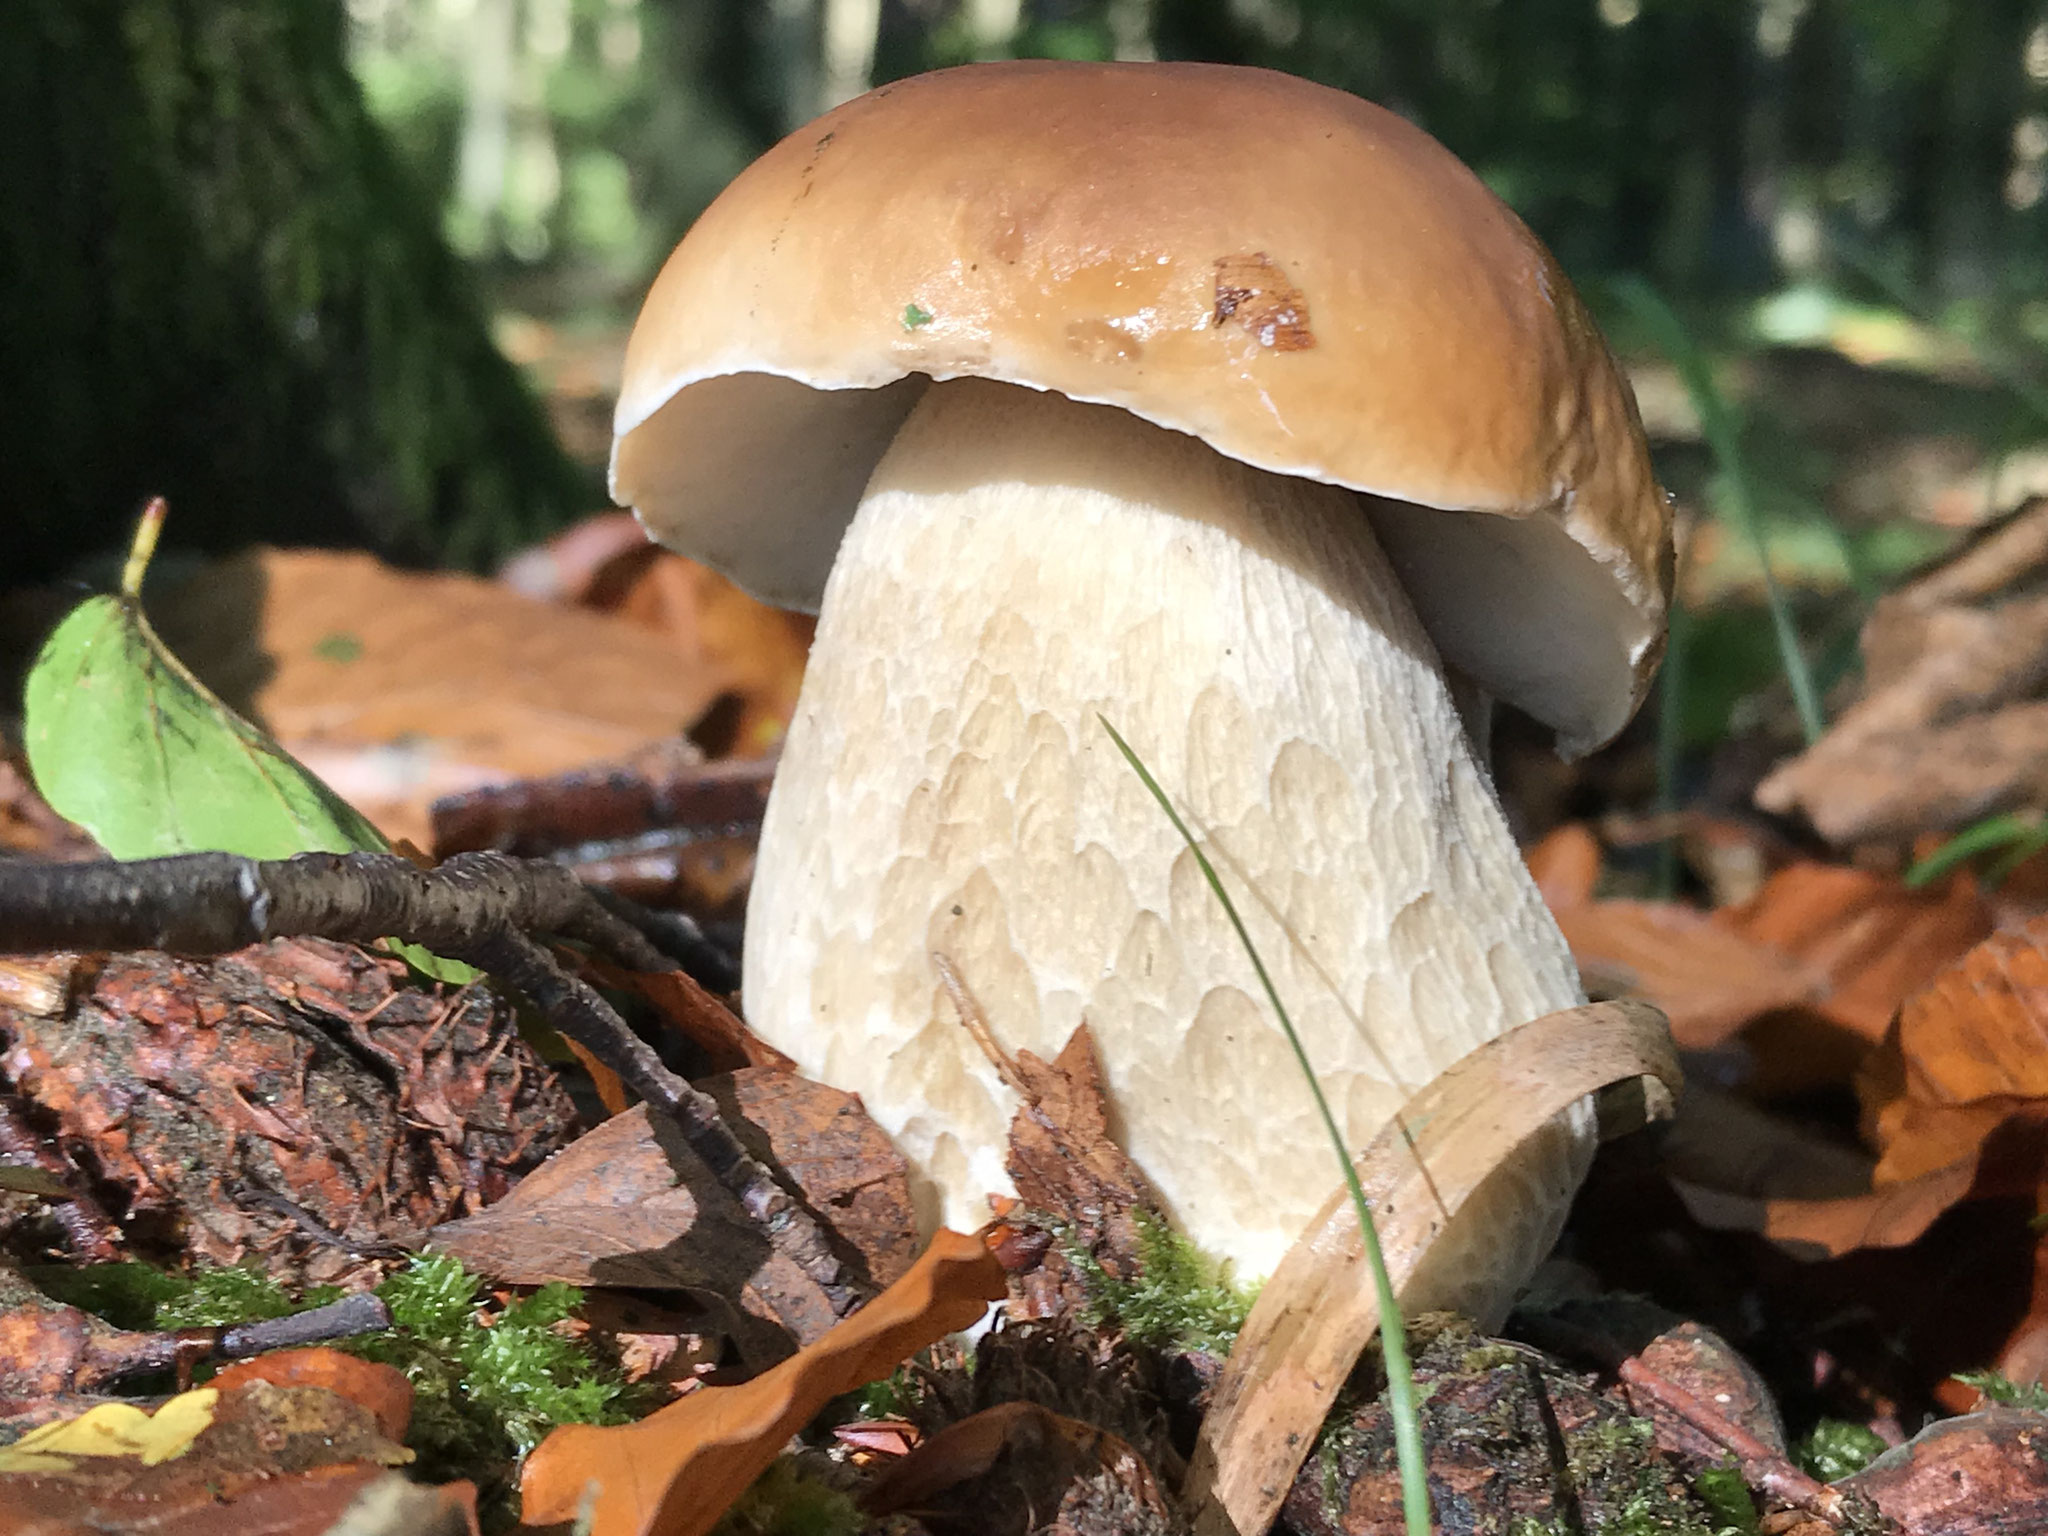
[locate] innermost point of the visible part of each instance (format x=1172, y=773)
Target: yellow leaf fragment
x=115, y=1429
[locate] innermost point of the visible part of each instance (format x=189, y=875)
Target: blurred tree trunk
x=216, y=283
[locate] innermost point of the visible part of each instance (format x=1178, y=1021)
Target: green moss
x=786, y=1501
x=1181, y=1298
x=1835, y=1448
x=220, y=1298
x=486, y=1393
x=2015, y=1394
x=126, y=1295
x=1726, y=1496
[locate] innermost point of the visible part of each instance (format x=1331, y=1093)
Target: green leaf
x=126, y=742
x=135, y=749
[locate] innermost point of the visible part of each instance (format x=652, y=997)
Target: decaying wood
x=1317, y=1311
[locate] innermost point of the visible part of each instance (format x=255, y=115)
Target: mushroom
x=1168, y=394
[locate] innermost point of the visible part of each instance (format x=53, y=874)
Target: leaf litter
x=1826, y=979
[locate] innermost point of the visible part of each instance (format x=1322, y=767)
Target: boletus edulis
x=1235, y=411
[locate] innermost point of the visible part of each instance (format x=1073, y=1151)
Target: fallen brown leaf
x=1826, y=952
x=379, y=1390
x=758, y=651
x=1968, y=1049
x=676, y=1471
x=629, y=1205
x=1985, y=1474
x=1064, y=1159
x=1950, y=727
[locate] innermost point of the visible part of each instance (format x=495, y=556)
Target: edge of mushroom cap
x=1454, y=369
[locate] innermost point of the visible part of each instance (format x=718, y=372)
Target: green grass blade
x=2024, y=833
x=1393, y=1334
x=1724, y=438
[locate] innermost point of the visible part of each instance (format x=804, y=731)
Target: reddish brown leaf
x=1566, y=865
x=1967, y=1053
x=383, y=1392
x=1984, y=1474
x=717, y=630
x=630, y=1205
x=1876, y=941
x=677, y=1471
x=702, y=1019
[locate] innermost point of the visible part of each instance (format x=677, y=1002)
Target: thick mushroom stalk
x=1019, y=565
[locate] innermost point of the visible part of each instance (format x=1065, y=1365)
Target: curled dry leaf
x=1316, y=1312
x=676, y=1471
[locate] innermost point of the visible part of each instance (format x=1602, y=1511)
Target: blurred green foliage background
x=254, y=253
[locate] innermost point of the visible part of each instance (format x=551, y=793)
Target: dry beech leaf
x=1566, y=865
x=1063, y=1158
x=1967, y=1049
x=1950, y=727
x=1710, y=981
x=1835, y=948
x=758, y=651
x=1983, y=1474
x=381, y=1390
x=1875, y=940
x=676, y=1471
x=630, y=1205
x=2011, y=1162
x=397, y=687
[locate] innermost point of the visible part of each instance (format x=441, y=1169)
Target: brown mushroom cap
x=1303, y=280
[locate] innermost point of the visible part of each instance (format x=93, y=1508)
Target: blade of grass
x=2023, y=832
x=1722, y=431
x=1393, y=1333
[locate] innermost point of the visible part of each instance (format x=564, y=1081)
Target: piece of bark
x=299, y=1099
x=631, y=1206
x=1065, y=1162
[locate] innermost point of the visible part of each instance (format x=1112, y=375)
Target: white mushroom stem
x=1019, y=565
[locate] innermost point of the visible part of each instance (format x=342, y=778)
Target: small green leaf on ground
x=126, y=742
